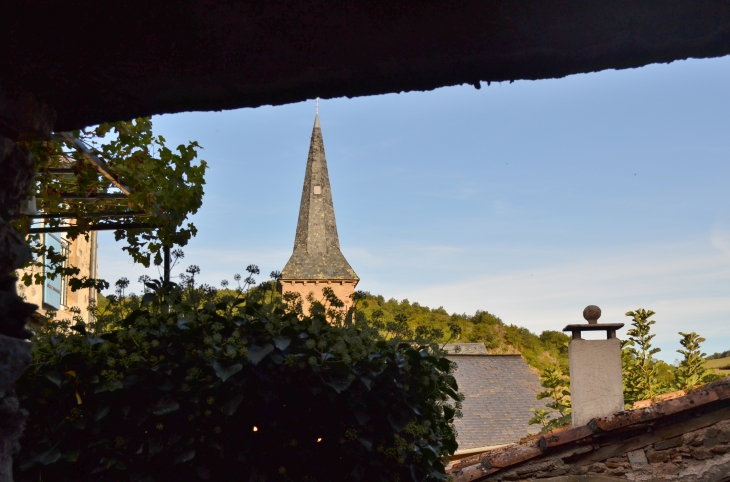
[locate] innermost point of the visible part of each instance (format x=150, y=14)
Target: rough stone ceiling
x=101, y=61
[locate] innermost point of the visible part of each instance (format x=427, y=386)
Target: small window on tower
x=317, y=189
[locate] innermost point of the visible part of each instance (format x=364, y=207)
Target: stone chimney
x=596, y=388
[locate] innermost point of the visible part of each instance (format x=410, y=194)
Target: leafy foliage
x=646, y=377
x=640, y=371
x=557, y=387
x=691, y=368
x=166, y=187
x=691, y=371
x=194, y=383
x=540, y=416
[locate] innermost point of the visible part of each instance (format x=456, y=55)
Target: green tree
x=166, y=186
x=641, y=380
x=666, y=376
x=557, y=387
x=691, y=370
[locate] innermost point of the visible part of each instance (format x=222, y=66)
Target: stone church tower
x=317, y=261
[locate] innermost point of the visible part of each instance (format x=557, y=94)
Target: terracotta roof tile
x=555, y=439
x=711, y=392
x=511, y=457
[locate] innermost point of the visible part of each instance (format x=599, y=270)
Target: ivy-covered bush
x=193, y=385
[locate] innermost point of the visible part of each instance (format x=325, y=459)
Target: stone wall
x=701, y=455
x=22, y=118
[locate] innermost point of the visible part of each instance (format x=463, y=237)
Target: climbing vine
x=166, y=186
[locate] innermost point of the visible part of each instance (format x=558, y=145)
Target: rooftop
x=658, y=441
x=499, y=392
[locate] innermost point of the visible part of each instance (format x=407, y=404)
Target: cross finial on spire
x=316, y=106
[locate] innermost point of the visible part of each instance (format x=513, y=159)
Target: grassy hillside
x=720, y=365
x=540, y=351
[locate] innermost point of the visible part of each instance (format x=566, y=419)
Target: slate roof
x=499, y=392
x=317, y=254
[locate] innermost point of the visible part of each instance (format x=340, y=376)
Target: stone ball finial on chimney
x=591, y=314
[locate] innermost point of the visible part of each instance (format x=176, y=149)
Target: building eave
x=144, y=58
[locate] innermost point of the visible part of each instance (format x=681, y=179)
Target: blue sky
x=530, y=200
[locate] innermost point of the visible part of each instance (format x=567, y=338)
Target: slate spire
x=317, y=254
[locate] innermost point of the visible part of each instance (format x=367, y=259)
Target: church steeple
x=317, y=254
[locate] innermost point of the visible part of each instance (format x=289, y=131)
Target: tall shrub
x=640, y=370
x=691, y=370
x=193, y=385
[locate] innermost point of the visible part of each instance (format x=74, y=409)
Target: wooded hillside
x=540, y=351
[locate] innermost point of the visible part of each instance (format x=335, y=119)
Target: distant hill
x=540, y=351
x=715, y=356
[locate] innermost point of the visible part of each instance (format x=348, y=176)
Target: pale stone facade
x=55, y=295
x=317, y=262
